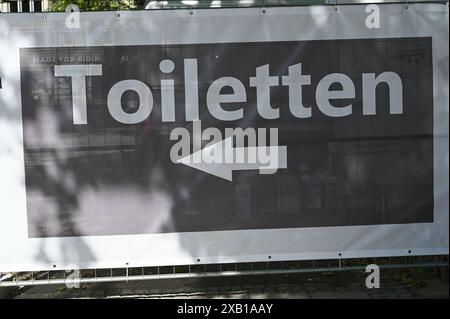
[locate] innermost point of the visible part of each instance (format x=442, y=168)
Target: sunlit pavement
x=404, y=284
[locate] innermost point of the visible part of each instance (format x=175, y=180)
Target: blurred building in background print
x=24, y=5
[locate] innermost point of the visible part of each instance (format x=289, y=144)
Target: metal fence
x=201, y=4
x=71, y=277
x=231, y=269
x=204, y=4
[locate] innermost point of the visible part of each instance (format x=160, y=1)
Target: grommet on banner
x=44, y=17
x=263, y=8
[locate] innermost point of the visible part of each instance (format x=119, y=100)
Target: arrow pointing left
x=242, y=158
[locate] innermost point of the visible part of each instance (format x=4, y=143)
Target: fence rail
x=215, y=270
x=204, y=4
x=267, y=3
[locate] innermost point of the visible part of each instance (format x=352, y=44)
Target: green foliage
x=95, y=5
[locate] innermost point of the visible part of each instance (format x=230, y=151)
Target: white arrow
x=221, y=159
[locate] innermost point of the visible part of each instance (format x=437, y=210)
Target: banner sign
x=163, y=137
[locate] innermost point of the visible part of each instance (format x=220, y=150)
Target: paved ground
x=394, y=284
